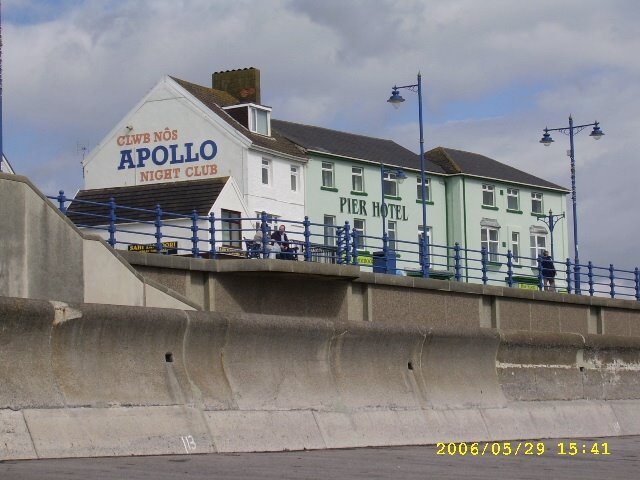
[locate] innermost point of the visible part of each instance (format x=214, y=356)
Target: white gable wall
x=167, y=137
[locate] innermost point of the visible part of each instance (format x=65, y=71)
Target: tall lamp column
x=546, y=140
x=395, y=100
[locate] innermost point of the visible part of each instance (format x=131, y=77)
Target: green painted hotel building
x=472, y=200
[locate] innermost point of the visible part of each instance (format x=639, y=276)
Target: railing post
x=195, y=251
x=112, y=222
x=637, y=272
x=307, y=239
x=612, y=281
x=212, y=235
x=590, y=277
x=485, y=266
x=354, y=246
x=347, y=247
x=509, y=268
x=456, y=259
x=568, y=264
x=265, y=234
x=540, y=280
x=61, y=201
x=158, y=234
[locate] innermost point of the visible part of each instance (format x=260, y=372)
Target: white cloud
x=72, y=71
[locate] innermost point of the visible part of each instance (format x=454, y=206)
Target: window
x=515, y=247
x=536, y=202
x=513, y=199
x=357, y=179
x=488, y=195
x=231, y=228
x=429, y=246
x=391, y=235
x=329, y=230
x=489, y=241
x=427, y=188
x=266, y=171
x=259, y=121
x=359, y=226
x=327, y=174
x=538, y=243
x=390, y=183
x=294, y=178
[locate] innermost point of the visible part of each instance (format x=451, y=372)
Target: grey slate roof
x=460, y=162
x=324, y=140
x=176, y=197
x=440, y=160
x=215, y=99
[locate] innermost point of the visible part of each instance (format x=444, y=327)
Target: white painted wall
x=166, y=120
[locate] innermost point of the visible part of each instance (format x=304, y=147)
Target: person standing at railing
x=548, y=271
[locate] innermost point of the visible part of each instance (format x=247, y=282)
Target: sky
x=494, y=74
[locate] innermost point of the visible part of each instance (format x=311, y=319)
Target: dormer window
x=256, y=118
x=260, y=121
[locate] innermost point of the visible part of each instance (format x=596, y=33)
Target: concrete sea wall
x=105, y=353
x=99, y=380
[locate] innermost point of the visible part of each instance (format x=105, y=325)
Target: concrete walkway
x=391, y=462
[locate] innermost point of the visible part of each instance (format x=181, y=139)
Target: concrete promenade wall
x=105, y=353
x=43, y=255
x=343, y=292
x=99, y=380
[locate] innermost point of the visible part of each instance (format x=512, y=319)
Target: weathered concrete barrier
x=43, y=255
x=96, y=380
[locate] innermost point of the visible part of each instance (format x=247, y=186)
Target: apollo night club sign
x=178, y=160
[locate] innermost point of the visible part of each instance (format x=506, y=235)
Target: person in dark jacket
x=548, y=272
x=279, y=239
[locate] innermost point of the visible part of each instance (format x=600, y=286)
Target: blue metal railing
x=156, y=230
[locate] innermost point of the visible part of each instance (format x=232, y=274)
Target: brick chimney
x=243, y=84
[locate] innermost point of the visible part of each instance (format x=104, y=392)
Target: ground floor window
x=515, y=247
x=391, y=235
x=489, y=241
x=329, y=230
x=538, y=242
x=231, y=228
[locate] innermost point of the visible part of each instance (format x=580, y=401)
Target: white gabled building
x=182, y=132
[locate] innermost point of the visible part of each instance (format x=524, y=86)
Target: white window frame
x=329, y=222
x=266, y=170
x=231, y=227
x=535, y=248
x=254, y=123
x=390, y=183
x=515, y=247
x=295, y=174
x=357, y=173
x=328, y=168
x=486, y=188
x=490, y=244
x=513, y=193
x=535, y=198
x=392, y=229
x=362, y=231
x=427, y=188
x=429, y=241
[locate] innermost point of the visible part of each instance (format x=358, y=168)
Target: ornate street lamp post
x=395, y=100
x=551, y=220
x=546, y=140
